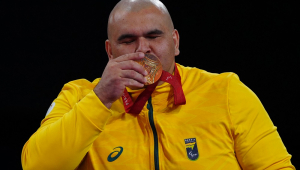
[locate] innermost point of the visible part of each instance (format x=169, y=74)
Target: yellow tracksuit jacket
x=222, y=126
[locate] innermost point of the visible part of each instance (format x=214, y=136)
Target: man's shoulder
x=199, y=76
x=80, y=85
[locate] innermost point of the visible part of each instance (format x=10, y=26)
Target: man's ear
x=175, y=35
x=108, y=49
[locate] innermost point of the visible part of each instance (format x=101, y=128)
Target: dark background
x=47, y=44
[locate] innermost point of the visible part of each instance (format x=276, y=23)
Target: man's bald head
x=128, y=6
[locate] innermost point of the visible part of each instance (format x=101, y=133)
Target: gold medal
x=153, y=66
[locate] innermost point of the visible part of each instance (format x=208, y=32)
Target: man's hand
x=119, y=73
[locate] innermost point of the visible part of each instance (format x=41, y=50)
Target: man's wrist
x=103, y=99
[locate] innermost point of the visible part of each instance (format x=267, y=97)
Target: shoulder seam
x=228, y=109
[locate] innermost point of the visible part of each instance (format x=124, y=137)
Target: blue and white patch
x=191, y=148
x=50, y=108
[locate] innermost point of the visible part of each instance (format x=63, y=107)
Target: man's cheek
x=123, y=50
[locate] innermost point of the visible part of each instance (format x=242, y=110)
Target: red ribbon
x=137, y=106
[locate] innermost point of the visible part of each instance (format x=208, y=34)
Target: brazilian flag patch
x=191, y=148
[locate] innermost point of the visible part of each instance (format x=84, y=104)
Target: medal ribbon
x=137, y=106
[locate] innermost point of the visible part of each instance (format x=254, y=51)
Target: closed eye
x=126, y=38
x=153, y=36
x=127, y=41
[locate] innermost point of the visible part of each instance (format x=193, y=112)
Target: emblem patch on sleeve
x=50, y=108
x=191, y=148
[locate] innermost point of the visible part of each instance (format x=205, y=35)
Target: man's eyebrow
x=124, y=36
x=155, y=31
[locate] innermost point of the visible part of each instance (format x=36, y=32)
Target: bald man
x=188, y=119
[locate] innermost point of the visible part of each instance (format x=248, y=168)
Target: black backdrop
x=46, y=44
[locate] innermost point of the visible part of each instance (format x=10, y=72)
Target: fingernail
x=145, y=79
x=141, y=54
x=145, y=73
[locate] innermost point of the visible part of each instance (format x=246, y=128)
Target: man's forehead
x=127, y=12
x=138, y=29
x=143, y=20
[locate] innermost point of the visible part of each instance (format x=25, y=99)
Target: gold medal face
x=153, y=66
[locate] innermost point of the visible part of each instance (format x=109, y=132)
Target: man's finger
x=132, y=83
x=131, y=74
x=132, y=65
x=131, y=56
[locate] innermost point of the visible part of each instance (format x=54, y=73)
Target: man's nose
x=143, y=45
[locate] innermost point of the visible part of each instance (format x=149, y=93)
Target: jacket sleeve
x=257, y=142
x=67, y=132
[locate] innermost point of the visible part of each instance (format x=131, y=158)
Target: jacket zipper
x=151, y=120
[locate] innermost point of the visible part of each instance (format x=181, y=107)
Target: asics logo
x=112, y=156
